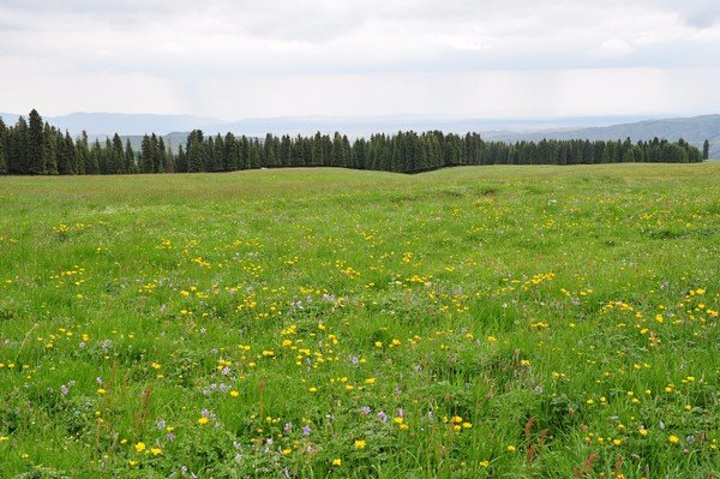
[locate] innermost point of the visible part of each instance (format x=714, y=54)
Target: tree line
x=33, y=147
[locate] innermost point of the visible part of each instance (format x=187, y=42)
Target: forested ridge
x=34, y=147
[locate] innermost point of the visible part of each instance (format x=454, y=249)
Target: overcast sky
x=236, y=59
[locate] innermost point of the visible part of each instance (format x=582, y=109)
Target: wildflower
x=674, y=439
x=360, y=444
x=156, y=451
x=140, y=446
x=234, y=393
x=203, y=420
x=306, y=430
x=510, y=448
x=337, y=462
x=485, y=463
x=101, y=391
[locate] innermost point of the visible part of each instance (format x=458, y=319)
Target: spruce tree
x=17, y=156
x=706, y=150
x=117, y=156
x=129, y=165
x=50, y=149
x=81, y=152
x=169, y=159
x=35, y=145
x=195, y=152
x=3, y=148
x=147, y=155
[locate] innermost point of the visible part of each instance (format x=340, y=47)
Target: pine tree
x=35, y=145
x=706, y=150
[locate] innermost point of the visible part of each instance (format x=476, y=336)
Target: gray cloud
x=178, y=47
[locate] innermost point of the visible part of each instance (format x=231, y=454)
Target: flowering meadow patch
x=473, y=322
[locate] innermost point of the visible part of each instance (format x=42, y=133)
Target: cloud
x=184, y=44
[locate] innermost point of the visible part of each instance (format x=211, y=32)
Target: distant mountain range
x=175, y=128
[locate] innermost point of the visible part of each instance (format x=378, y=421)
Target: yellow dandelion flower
x=360, y=444
x=140, y=446
x=203, y=420
x=337, y=462
x=156, y=451
x=674, y=439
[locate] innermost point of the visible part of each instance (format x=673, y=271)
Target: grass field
x=471, y=322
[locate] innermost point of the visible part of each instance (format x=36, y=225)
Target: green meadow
x=518, y=322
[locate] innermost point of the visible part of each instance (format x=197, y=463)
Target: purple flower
x=64, y=390
x=365, y=410
x=306, y=430
x=160, y=423
x=170, y=437
x=288, y=426
x=382, y=416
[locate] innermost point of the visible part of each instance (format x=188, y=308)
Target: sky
x=235, y=59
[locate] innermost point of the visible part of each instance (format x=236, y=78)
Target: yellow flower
x=337, y=462
x=643, y=432
x=140, y=447
x=234, y=393
x=360, y=444
x=674, y=439
x=510, y=448
x=203, y=420
x=370, y=380
x=485, y=463
x=101, y=391
x=156, y=451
